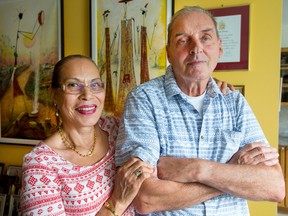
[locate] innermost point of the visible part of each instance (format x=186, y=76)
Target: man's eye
x=206, y=38
x=183, y=41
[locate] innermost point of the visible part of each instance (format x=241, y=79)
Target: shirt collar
x=171, y=87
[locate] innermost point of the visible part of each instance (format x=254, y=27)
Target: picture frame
x=2, y=203
x=240, y=88
x=128, y=40
x=14, y=205
x=2, y=165
x=14, y=170
x=233, y=28
x=31, y=36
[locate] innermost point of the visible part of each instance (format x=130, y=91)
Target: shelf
x=283, y=140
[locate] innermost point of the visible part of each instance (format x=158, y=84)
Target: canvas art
x=30, y=45
x=128, y=44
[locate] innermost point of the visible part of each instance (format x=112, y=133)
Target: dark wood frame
x=243, y=11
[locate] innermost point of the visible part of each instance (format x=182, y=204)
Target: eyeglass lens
x=73, y=87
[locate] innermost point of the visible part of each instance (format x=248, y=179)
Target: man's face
x=194, y=47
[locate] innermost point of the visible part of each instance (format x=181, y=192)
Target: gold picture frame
x=240, y=88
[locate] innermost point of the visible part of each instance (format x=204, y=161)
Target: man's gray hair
x=187, y=10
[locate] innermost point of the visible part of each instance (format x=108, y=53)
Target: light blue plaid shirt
x=159, y=121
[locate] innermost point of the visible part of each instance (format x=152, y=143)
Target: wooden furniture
x=283, y=159
x=7, y=186
x=284, y=77
x=283, y=140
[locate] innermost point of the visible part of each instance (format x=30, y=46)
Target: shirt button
x=202, y=137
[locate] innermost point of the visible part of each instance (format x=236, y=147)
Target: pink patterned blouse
x=52, y=185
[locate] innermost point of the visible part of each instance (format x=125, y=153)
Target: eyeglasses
x=76, y=87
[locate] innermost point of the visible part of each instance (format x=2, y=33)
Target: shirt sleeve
x=138, y=136
x=247, y=122
x=41, y=192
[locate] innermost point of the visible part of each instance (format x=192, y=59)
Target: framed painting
x=2, y=203
x=233, y=28
x=14, y=205
x=15, y=171
x=31, y=44
x=2, y=165
x=128, y=40
x=240, y=88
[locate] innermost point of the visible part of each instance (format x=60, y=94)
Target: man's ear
x=167, y=53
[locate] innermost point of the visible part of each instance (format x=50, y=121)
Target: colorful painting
x=128, y=44
x=30, y=45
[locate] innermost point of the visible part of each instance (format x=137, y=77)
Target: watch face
x=41, y=17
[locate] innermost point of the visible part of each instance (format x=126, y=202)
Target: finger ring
x=138, y=172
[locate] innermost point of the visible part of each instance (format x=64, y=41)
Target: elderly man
x=209, y=149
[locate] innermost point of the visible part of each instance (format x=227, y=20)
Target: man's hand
x=256, y=154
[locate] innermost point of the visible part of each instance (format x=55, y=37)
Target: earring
x=58, y=120
x=56, y=110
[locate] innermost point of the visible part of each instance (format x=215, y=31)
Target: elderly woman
x=73, y=171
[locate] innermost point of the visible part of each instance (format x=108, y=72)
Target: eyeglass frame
x=80, y=89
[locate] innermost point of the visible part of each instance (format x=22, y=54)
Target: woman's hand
x=128, y=180
x=223, y=86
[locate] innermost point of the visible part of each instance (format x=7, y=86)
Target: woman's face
x=83, y=107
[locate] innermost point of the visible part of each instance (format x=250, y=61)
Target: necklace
x=68, y=145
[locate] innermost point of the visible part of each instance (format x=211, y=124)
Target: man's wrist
x=202, y=170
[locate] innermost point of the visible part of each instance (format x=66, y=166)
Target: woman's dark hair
x=59, y=65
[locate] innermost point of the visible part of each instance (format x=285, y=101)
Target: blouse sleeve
x=41, y=192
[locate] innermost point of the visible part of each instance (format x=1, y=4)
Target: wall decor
x=2, y=165
x=15, y=171
x=14, y=205
x=240, y=88
x=233, y=27
x=31, y=44
x=128, y=40
x=2, y=203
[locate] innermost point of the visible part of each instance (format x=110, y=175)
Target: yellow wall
x=76, y=27
x=261, y=80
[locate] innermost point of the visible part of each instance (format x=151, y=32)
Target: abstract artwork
x=30, y=46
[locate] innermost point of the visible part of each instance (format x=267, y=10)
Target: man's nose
x=195, y=48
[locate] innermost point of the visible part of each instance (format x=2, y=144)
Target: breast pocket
x=227, y=143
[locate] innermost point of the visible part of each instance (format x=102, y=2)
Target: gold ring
x=138, y=172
